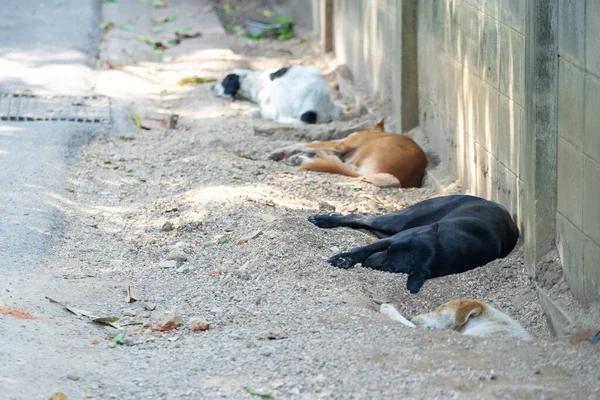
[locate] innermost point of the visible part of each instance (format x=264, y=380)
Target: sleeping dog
x=472, y=317
x=288, y=95
x=372, y=154
x=436, y=237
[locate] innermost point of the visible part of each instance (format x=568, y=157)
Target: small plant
x=227, y=9
x=286, y=30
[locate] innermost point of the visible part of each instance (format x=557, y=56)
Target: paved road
x=46, y=47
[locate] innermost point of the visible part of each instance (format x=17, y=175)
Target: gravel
x=282, y=321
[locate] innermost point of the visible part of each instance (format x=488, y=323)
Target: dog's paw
x=324, y=220
x=278, y=155
x=342, y=260
x=296, y=160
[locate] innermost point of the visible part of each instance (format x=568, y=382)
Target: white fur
x=390, y=311
x=491, y=322
x=286, y=98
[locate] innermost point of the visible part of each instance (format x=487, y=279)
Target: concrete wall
x=364, y=38
x=471, y=90
x=578, y=214
x=508, y=94
x=303, y=12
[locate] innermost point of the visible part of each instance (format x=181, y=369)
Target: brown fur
x=370, y=152
x=466, y=309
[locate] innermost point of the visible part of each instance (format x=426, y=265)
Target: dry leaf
x=194, y=80
x=131, y=296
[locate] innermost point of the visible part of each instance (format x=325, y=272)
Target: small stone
x=216, y=310
x=334, y=249
x=244, y=275
x=197, y=325
x=272, y=335
x=177, y=255
x=167, y=227
x=149, y=306
x=168, y=325
x=168, y=264
x=145, y=314
x=129, y=313
x=325, y=206
x=183, y=269
x=72, y=377
x=351, y=208
x=267, y=218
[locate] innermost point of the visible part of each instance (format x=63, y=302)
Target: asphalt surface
x=47, y=48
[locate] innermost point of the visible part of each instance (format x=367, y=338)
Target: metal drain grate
x=28, y=107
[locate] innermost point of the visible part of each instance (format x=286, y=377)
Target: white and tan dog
x=296, y=94
x=474, y=318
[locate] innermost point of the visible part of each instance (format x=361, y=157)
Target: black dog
x=436, y=237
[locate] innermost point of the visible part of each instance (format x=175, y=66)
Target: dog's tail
x=329, y=163
x=310, y=117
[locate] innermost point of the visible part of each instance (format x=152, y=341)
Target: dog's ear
x=378, y=126
x=231, y=84
x=467, y=309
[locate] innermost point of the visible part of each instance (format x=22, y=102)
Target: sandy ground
x=203, y=226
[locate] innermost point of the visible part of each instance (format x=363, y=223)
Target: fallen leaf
x=159, y=4
x=165, y=20
x=94, y=341
x=249, y=237
x=148, y=40
x=356, y=187
x=136, y=120
x=128, y=28
x=129, y=171
x=255, y=393
x=224, y=240
x=106, y=26
x=194, y=80
x=131, y=296
x=59, y=395
x=243, y=155
x=110, y=321
x=181, y=36
x=119, y=338
x=181, y=29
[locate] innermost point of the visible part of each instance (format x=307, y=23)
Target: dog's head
x=451, y=315
x=231, y=85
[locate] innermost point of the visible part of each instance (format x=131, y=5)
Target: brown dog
x=375, y=156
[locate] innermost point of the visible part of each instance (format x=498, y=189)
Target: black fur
x=279, y=73
x=310, y=117
x=433, y=238
x=231, y=84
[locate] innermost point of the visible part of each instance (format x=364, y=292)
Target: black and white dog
x=288, y=95
x=433, y=238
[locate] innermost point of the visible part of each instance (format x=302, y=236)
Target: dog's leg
x=336, y=146
x=354, y=221
x=358, y=254
x=377, y=261
x=415, y=282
